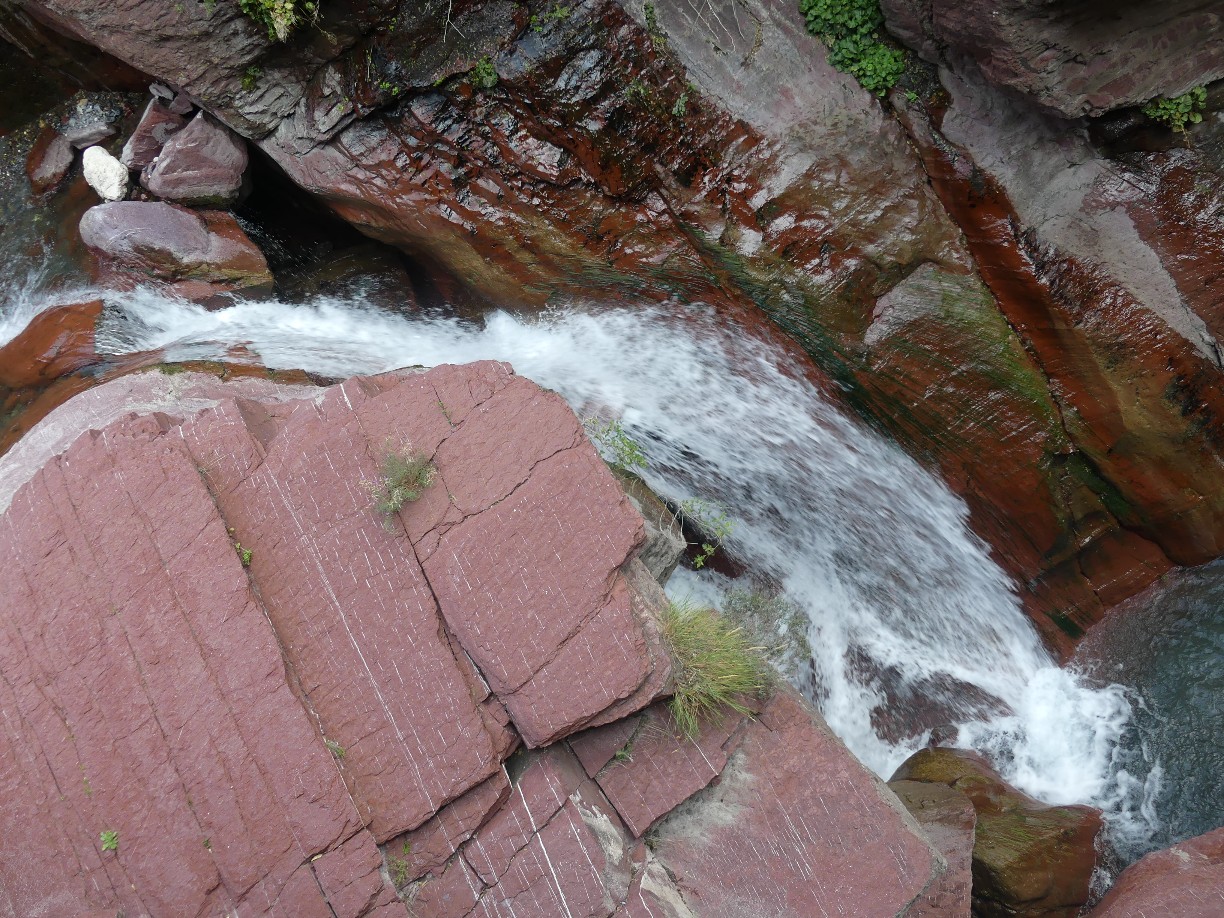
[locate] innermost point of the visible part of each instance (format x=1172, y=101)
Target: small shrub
x=556, y=14
x=1178, y=111
x=618, y=449
x=851, y=29
x=280, y=17
x=712, y=520
x=399, y=867
x=110, y=840
x=484, y=74
x=714, y=666
x=403, y=477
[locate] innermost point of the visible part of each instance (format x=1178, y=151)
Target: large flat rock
x=1184, y=881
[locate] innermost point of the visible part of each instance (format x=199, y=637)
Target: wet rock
x=1074, y=58
x=49, y=160
x=948, y=819
x=105, y=174
x=1029, y=859
x=1184, y=881
x=665, y=542
x=89, y=125
x=201, y=164
x=58, y=341
x=171, y=243
x=156, y=126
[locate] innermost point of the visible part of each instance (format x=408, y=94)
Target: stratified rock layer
x=1184, y=881
x=281, y=704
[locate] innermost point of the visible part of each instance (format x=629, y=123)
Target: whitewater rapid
x=872, y=546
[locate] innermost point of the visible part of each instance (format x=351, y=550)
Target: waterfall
x=907, y=610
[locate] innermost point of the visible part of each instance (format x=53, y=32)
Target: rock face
x=201, y=164
x=1186, y=880
x=1073, y=57
x=168, y=243
x=1029, y=859
x=949, y=821
x=319, y=727
x=49, y=160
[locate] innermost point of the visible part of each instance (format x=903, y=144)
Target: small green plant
x=399, y=867
x=250, y=79
x=556, y=14
x=403, y=476
x=851, y=29
x=711, y=519
x=681, y=106
x=334, y=748
x=110, y=840
x=1178, y=111
x=637, y=92
x=208, y=844
x=714, y=666
x=484, y=74
x=280, y=17
x=389, y=87
x=657, y=38
x=244, y=554
x=624, y=753
x=618, y=449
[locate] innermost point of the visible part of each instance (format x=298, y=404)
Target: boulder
x=948, y=819
x=105, y=174
x=1184, y=881
x=156, y=126
x=49, y=160
x=157, y=240
x=1073, y=57
x=201, y=164
x=1029, y=859
x=59, y=340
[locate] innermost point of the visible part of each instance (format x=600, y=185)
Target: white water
x=874, y=547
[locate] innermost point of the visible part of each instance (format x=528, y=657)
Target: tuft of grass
x=334, y=748
x=403, y=476
x=110, y=840
x=715, y=665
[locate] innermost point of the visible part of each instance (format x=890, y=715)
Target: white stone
x=105, y=174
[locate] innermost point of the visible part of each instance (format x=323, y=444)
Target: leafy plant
x=280, y=17
x=637, y=91
x=244, y=554
x=1178, y=111
x=334, y=748
x=681, y=106
x=484, y=74
x=618, y=449
x=851, y=29
x=403, y=476
x=711, y=519
x=399, y=867
x=657, y=38
x=556, y=14
x=110, y=840
x=250, y=79
x=714, y=665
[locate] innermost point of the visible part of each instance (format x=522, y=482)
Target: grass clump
x=774, y=624
x=715, y=666
x=851, y=29
x=110, y=840
x=484, y=74
x=280, y=17
x=403, y=476
x=1178, y=111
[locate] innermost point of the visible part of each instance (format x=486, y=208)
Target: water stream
x=911, y=621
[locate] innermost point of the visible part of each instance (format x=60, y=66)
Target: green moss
x=1067, y=625
x=484, y=74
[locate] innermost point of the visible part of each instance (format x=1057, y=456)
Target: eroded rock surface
x=326, y=724
x=1186, y=881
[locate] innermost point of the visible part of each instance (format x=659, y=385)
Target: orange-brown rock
x=1029, y=859
x=58, y=341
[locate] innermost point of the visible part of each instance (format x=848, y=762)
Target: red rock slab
x=155, y=127
x=147, y=696
x=795, y=827
x=519, y=580
x=595, y=748
x=652, y=894
x=58, y=341
x=451, y=895
x=49, y=160
x=430, y=846
x=948, y=819
x=662, y=768
x=1184, y=881
x=350, y=878
x=353, y=611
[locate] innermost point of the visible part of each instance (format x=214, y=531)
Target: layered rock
x=1073, y=57
x=230, y=681
x=1029, y=859
x=1186, y=881
x=154, y=240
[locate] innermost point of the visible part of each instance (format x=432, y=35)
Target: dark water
x=1167, y=645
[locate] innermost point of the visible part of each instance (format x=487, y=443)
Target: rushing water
x=909, y=615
